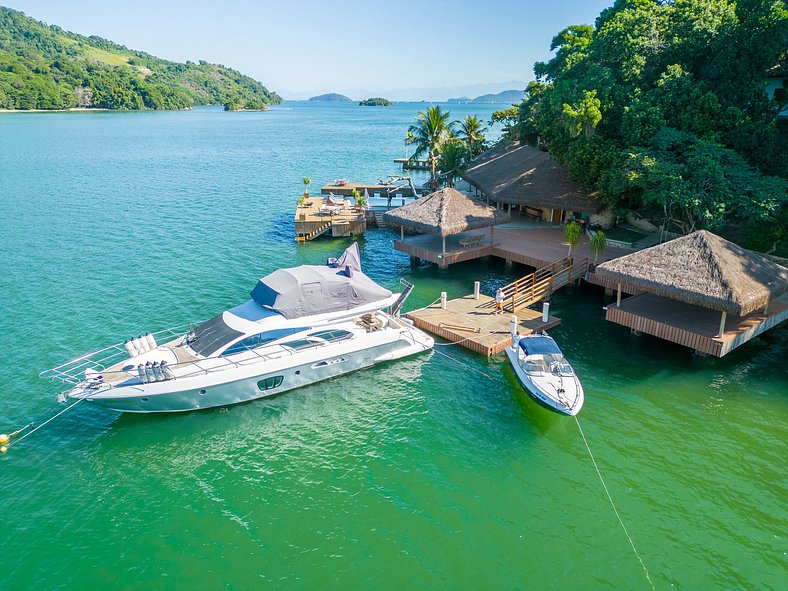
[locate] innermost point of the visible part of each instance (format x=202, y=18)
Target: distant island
x=375, y=102
x=332, y=97
x=44, y=67
x=506, y=96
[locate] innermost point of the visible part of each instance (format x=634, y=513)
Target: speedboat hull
x=562, y=394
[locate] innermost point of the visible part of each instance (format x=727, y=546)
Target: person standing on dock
x=499, y=299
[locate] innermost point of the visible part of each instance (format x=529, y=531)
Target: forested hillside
x=45, y=67
x=663, y=108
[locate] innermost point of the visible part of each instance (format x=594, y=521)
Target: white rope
x=612, y=504
x=488, y=376
x=49, y=420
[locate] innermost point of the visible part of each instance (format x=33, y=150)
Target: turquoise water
x=432, y=472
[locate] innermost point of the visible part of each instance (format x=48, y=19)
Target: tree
x=453, y=161
x=471, y=131
x=572, y=232
x=598, y=244
x=508, y=118
x=431, y=130
x=307, y=182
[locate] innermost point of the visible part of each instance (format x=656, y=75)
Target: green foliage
x=375, y=102
x=430, y=132
x=598, y=244
x=45, y=67
x=508, y=117
x=471, y=131
x=453, y=160
x=572, y=233
x=307, y=182
x=661, y=106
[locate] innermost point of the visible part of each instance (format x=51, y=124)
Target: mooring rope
x=486, y=375
x=612, y=504
x=49, y=420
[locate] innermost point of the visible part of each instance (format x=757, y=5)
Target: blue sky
x=401, y=49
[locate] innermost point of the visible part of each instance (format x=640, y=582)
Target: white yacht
x=545, y=373
x=303, y=325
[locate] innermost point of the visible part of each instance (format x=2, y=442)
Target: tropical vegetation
x=46, y=67
x=375, y=102
x=662, y=108
x=448, y=145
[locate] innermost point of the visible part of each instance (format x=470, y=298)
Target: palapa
x=702, y=269
x=446, y=212
x=511, y=172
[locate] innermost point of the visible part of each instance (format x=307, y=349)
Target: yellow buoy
x=4, y=438
x=3, y=449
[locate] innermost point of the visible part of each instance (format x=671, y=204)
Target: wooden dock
x=316, y=217
x=475, y=323
x=693, y=326
x=346, y=189
x=413, y=164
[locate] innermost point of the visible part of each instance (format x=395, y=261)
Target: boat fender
x=149, y=372
x=142, y=374
x=129, y=348
x=132, y=346
x=166, y=371
x=137, y=342
x=150, y=341
x=143, y=344
x=157, y=371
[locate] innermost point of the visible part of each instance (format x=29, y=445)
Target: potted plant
x=307, y=182
x=360, y=200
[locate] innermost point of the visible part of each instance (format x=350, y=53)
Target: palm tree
x=430, y=132
x=452, y=160
x=572, y=233
x=598, y=244
x=472, y=131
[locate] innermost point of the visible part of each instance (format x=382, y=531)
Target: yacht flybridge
x=303, y=325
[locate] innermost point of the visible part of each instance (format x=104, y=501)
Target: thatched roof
x=511, y=172
x=704, y=270
x=446, y=212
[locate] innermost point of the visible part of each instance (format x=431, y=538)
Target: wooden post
x=492, y=234
x=402, y=233
x=618, y=296
x=443, y=244
x=766, y=308
x=722, y=324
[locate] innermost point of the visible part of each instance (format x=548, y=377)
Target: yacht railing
x=73, y=372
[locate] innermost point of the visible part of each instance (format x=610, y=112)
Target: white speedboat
x=546, y=375
x=303, y=325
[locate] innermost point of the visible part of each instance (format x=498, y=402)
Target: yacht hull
x=270, y=378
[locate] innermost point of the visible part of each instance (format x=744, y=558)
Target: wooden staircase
x=379, y=219
x=319, y=231
x=537, y=286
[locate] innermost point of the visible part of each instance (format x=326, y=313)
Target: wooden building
x=700, y=291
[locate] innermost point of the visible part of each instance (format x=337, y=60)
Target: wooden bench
x=469, y=241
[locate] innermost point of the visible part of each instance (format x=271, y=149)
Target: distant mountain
x=462, y=99
x=332, y=97
x=45, y=67
x=375, y=102
x=507, y=96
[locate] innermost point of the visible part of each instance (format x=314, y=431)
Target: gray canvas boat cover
x=315, y=289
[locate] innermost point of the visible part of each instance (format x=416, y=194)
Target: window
x=270, y=383
x=302, y=344
x=212, y=336
x=258, y=340
x=332, y=335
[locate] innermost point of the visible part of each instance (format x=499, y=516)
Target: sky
x=399, y=49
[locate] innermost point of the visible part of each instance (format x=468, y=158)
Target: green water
x=429, y=473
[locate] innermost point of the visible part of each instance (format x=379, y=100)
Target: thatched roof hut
x=446, y=212
x=704, y=270
x=519, y=174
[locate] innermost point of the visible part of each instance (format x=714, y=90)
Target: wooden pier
x=413, y=164
x=475, y=323
x=347, y=188
x=316, y=217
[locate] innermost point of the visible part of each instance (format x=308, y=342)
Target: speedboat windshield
x=211, y=336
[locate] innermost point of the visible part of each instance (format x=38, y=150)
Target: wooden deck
x=536, y=246
x=693, y=326
x=347, y=189
x=313, y=220
x=475, y=324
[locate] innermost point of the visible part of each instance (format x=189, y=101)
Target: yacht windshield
x=212, y=336
x=258, y=340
